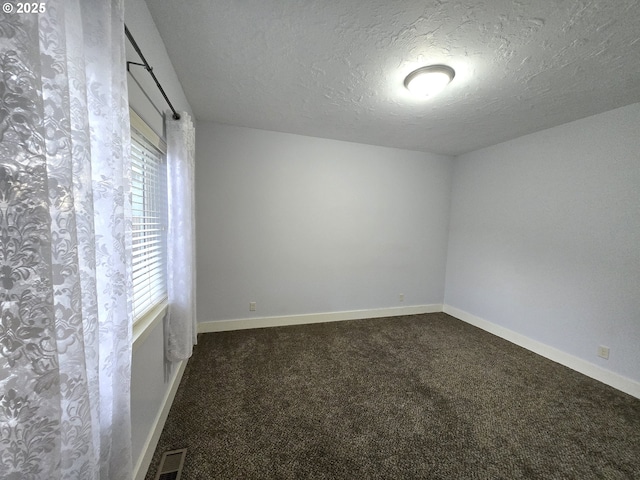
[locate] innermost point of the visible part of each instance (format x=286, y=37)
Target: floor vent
x=171, y=465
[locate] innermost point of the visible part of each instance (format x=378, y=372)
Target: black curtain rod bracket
x=138, y=64
x=148, y=68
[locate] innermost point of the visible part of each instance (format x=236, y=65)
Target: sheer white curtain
x=65, y=326
x=181, y=332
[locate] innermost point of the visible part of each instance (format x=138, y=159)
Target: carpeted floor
x=424, y=396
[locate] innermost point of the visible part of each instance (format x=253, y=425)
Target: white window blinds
x=149, y=219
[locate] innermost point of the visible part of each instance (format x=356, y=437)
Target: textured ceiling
x=334, y=68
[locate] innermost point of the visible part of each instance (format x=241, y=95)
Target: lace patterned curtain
x=65, y=326
x=181, y=282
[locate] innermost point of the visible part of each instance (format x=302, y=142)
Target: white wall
x=151, y=379
x=545, y=237
x=306, y=225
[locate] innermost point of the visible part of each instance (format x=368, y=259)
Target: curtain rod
x=148, y=68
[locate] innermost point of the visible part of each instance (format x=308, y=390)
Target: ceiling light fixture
x=429, y=81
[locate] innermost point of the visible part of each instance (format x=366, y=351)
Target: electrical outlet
x=252, y=306
x=401, y=297
x=603, y=352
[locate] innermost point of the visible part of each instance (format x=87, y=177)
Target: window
x=149, y=217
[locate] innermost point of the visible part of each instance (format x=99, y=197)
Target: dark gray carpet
x=423, y=396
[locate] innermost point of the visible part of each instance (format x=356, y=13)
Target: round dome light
x=429, y=81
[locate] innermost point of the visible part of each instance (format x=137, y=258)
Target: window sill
x=145, y=324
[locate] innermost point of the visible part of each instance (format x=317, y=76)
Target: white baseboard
x=245, y=323
x=142, y=465
x=596, y=372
